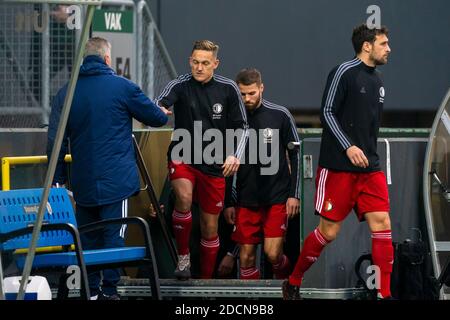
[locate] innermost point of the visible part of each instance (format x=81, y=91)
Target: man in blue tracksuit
x=104, y=173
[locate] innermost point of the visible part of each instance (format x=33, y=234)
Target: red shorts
x=209, y=191
x=337, y=193
x=252, y=224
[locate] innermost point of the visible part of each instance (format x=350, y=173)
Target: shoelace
x=183, y=262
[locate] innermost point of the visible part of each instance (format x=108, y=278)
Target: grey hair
x=98, y=47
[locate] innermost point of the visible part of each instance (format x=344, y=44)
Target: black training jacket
x=254, y=189
x=216, y=104
x=351, y=110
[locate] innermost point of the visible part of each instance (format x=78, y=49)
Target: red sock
x=282, y=268
x=182, y=225
x=249, y=273
x=312, y=247
x=208, y=255
x=383, y=257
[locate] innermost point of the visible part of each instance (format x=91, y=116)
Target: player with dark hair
x=349, y=174
x=265, y=201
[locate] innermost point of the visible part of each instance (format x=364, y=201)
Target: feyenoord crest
x=328, y=206
x=267, y=134
x=382, y=93
x=217, y=110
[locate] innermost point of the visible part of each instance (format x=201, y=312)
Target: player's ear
x=216, y=63
x=367, y=46
x=108, y=59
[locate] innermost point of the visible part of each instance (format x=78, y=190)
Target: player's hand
x=226, y=266
x=152, y=211
x=292, y=207
x=167, y=112
x=58, y=185
x=60, y=13
x=230, y=215
x=63, y=185
x=357, y=157
x=230, y=166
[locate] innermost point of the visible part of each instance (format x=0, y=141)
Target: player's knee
x=273, y=255
x=184, y=200
x=329, y=233
x=329, y=229
x=247, y=259
x=209, y=233
x=208, y=229
x=386, y=222
x=381, y=221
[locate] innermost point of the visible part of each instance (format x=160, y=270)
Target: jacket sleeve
x=61, y=167
x=290, y=134
x=237, y=117
x=145, y=110
x=332, y=100
x=169, y=95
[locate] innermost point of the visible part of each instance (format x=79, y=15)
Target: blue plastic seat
x=18, y=211
x=91, y=257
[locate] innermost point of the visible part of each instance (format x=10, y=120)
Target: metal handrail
x=8, y=161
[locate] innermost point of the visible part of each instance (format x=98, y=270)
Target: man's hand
x=58, y=185
x=63, y=185
x=166, y=111
x=230, y=166
x=292, y=207
x=152, y=211
x=60, y=13
x=226, y=266
x=357, y=157
x=230, y=215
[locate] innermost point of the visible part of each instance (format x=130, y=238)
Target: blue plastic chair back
x=19, y=208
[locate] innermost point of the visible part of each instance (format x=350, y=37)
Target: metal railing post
x=45, y=62
x=5, y=174
x=8, y=161
x=151, y=60
x=139, y=34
